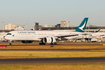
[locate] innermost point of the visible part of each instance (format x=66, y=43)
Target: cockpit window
x=9, y=34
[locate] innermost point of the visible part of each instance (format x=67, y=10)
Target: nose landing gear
x=10, y=42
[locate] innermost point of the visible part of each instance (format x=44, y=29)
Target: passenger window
x=9, y=34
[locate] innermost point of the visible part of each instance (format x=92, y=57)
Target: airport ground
x=69, y=56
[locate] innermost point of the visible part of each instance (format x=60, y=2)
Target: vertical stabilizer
x=82, y=26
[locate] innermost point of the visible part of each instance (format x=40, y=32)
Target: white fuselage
x=36, y=35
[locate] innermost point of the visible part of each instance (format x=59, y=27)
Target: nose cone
x=5, y=37
x=8, y=37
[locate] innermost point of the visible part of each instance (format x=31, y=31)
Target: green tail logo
x=82, y=26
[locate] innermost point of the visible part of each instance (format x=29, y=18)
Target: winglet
x=82, y=26
x=98, y=30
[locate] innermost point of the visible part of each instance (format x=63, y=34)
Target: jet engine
x=49, y=40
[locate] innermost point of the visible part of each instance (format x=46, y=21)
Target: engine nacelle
x=49, y=40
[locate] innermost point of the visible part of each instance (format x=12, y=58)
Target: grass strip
x=50, y=54
x=54, y=67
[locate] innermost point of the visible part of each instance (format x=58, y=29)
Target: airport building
x=19, y=28
x=13, y=27
x=48, y=26
x=65, y=23
x=36, y=27
x=9, y=26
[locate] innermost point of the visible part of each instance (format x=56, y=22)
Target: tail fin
x=82, y=26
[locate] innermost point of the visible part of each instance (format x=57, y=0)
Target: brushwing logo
x=82, y=26
x=12, y=35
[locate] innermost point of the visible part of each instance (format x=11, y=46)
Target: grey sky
x=51, y=12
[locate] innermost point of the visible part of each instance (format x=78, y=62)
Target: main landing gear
x=42, y=43
x=48, y=44
x=10, y=43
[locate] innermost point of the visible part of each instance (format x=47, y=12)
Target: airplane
x=87, y=36
x=96, y=35
x=44, y=36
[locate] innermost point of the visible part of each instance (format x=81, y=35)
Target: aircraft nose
x=4, y=37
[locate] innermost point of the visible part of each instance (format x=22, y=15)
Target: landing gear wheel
x=42, y=44
x=10, y=43
x=51, y=43
x=55, y=43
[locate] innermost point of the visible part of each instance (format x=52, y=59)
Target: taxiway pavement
x=51, y=49
x=93, y=60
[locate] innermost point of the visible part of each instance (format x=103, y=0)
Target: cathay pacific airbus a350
x=44, y=36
